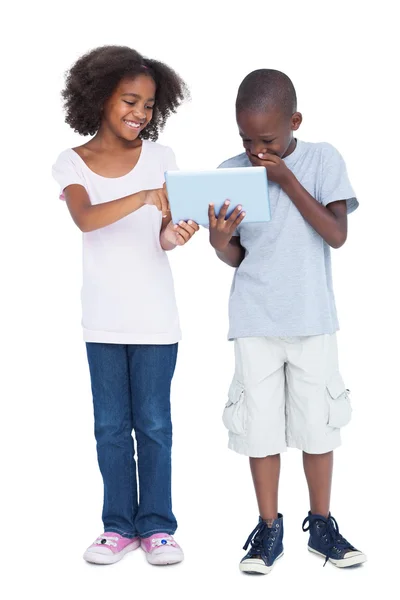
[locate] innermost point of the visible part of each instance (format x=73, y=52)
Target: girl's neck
x=106, y=141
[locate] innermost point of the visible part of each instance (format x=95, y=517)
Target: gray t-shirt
x=283, y=287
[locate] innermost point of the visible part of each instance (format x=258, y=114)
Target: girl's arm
x=172, y=235
x=89, y=217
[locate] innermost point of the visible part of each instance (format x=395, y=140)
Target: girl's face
x=130, y=108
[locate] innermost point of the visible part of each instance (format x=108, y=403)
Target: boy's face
x=267, y=132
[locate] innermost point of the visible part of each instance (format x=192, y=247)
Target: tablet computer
x=190, y=193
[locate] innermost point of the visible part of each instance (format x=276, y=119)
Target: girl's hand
x=221, y=229
x=276, y=168
x=157, y=198
x=180, y=234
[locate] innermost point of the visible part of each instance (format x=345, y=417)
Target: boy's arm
x=329, y=221
x=233, y=254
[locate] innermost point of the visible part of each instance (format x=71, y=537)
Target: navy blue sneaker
x=326, y=541
x=265, y=547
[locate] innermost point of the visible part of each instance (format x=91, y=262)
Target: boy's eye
x=150, y=107
x=267, y=141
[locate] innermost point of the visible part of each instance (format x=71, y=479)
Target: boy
x=287, y=389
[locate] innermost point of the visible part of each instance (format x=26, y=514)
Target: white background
x=341, y=58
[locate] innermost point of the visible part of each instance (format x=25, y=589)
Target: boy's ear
x=297, y=119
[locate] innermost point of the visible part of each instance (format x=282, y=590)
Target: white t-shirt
x=128, y=293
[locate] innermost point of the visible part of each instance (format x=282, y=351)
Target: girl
x=114, y=189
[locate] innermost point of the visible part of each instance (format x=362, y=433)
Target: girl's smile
x=130, y=108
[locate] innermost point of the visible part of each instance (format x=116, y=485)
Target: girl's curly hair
x=94, y=77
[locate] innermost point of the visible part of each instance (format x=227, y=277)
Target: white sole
x=96, y=558
x=164, y=558
x=256, y=566
x=351, y=561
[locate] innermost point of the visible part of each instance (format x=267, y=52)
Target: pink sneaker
x=162, y=549
x=109, y=548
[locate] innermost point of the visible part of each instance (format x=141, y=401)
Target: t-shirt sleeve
x=335, y=184
x=170, y=161
x=66, y=173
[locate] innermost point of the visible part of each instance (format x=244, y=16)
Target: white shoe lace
x=164, y=541
x=106, y=541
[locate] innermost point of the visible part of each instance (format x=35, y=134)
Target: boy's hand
x=221, y=229
x=180, y=234
x=276, y=168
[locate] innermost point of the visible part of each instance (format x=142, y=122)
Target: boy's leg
x=109, y=374
x=265, y=472
x=318, y=470
x=312, y=365
x=318, y=406
x=255, y=418
x=151, y=371
x=255, y=415
x=255, y=412
x=265, y=543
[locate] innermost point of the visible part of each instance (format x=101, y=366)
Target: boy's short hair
x=267, y=89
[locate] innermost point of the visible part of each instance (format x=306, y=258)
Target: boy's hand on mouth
x=277, y=170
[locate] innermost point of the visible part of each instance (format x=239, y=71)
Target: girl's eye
x=267, y=141
x=133, y=103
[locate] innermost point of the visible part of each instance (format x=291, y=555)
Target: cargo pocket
x=339, y=402
x=235, y=413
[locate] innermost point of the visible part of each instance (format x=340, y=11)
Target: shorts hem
x=247, y=450
x=320, y=448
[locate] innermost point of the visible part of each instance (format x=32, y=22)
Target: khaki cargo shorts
x=286, y=392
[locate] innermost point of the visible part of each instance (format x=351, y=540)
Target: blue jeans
x=131, y=391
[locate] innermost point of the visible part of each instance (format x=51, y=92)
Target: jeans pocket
x=235, y=413
x=339, y=402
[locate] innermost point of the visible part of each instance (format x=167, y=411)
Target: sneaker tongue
x=269, y=523
x=320, y=518
x=111, y=534
x=160, y=535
